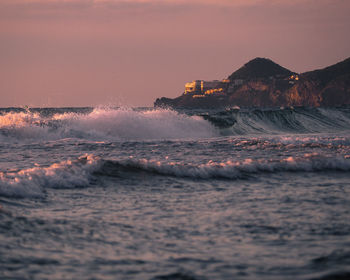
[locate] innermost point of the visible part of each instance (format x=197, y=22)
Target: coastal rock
x=263, y=83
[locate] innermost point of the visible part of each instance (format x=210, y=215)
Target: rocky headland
x=263, y=83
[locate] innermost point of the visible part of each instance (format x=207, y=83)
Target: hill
x=260, y=68
x=263, y=83
x=329, y=73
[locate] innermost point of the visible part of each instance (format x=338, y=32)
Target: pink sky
x=114, y=52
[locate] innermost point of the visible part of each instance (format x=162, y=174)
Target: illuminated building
x=200, y=87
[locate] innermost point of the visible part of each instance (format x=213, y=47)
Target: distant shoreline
x=263, y=83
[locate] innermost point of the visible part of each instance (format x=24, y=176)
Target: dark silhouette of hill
x=260, y=68
x=329, y=73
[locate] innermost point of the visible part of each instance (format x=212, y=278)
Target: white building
x=200, y=86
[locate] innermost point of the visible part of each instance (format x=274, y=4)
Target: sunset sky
x=115, y=52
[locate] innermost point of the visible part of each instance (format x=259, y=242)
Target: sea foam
x=105, y=124
x=161, y=124
x=85, y=170
x=32, y=182
x=236, y=169
x=127, y=124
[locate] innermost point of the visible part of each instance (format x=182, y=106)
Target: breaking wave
x=85, y=171
x=148, y=124
x=228, y=169
x=106, y=124
x=32, y=182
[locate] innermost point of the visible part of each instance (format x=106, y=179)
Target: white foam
x=127, y=124
x=33, y=182
x=238, y=169
x=23, y=125
x=106, y=124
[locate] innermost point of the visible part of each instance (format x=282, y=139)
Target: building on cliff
x=263, y=83
x=200, y=87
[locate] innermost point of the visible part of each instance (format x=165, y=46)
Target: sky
x=129, y=52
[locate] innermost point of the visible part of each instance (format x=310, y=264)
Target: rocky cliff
x=263, y=83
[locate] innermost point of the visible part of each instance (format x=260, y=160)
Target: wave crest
x=106, y=124
x=85, y=170
x=277, y=121
x=32, y=182
x=229, y=169
x=160, y=124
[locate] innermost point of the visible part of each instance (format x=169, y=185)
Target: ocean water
x=103, y=193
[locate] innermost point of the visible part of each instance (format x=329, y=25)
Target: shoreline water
x=159, y=194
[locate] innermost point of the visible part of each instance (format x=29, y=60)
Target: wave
x=105, y=124
x=277, y=121
x=228, y=169
x=32, y=182
x=85, y=171
x=149, y=124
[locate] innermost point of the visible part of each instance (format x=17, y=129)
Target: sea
x=159, y=194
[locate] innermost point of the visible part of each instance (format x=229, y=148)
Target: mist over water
x=103, y=193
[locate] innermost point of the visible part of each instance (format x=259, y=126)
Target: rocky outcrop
x=263, y=83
